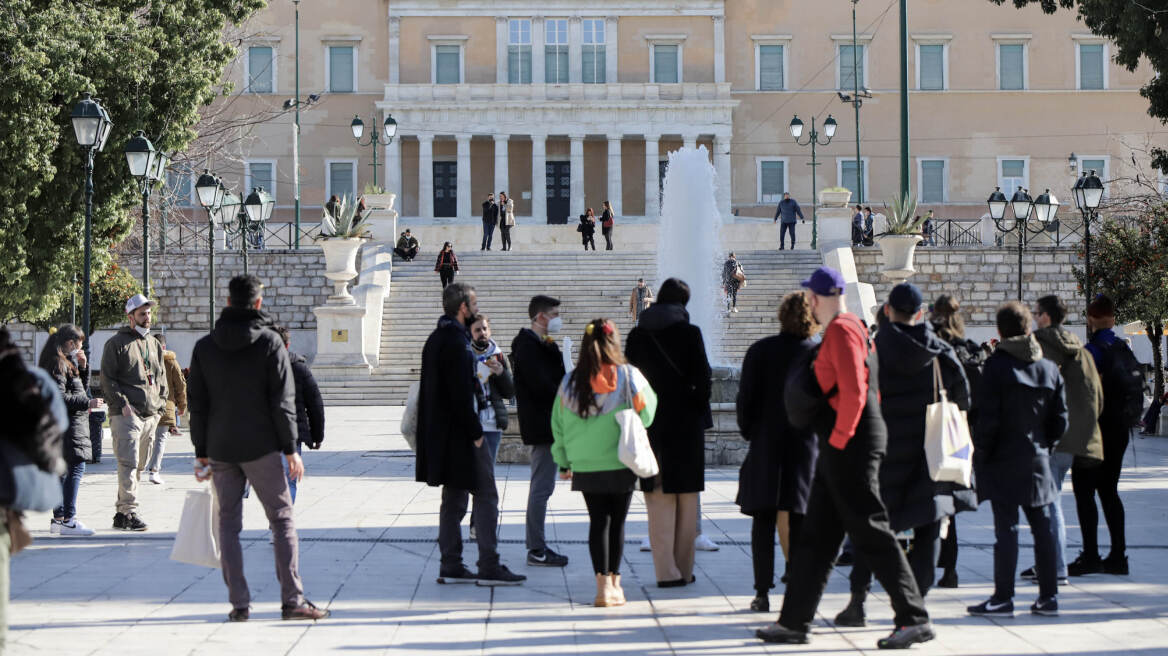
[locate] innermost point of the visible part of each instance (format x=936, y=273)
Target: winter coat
x=176, y=401
x=1084, y=391
x=490, y=212
x=507, y=213
x=781, y=460
x=446, y=259
x=501, y=386
x=1022, y=417
x=787, y=210
x=607, y=219
x=671, y=353
x=75, y=444
x=538, y=370
x=448, y=418
x=309, y=404
x=128, y=362
x=406, y=243
x=588, y=226
x=589, y=443
x=241, y=391
x=906, y=355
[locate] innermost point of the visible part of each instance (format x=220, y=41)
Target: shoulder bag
x=948, y=447
x=633, y=448
x=23, y=485
x=409, y=420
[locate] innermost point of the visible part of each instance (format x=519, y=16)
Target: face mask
x=142, y=331
x=554, y=325
x=482, y=344
x=74, y=353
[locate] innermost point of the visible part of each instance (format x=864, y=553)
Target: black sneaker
x=1115, y=565
x=906, y=636
x=238, y=615
x=459, y=575
x=1045, y=606
x=546, y=558
x=992, y=608
x=948, y=579
x=130, y=522
x=761, y=603
x=845, y=559
x=777, y=633
x=852, y=615
x=499, y=575
x=1085, y=564
x=1029, y=574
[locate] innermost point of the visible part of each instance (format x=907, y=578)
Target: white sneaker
x=54, y=526
x=155, y=478
x=734, y=310
x=703, y=543
x=75, y=527
x=645, y=546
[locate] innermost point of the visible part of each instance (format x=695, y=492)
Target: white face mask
x=142, y=331
x=75, y=353
x=554, y=325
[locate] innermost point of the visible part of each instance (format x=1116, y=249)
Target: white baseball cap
x=136, y=301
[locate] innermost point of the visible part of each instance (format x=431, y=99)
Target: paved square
x=369, y=552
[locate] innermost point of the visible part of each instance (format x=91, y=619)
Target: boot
x=616, y=594
x=603, y=591
x=853, y=614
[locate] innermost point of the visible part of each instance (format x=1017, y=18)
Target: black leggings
x=606, y=529
x=446, y=274
x=947, y=556
x=1103, y=480
x=589, y=238
x=762, y=545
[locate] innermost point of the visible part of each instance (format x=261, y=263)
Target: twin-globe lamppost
x=389, y=128
x=1088, y=193
x=829, y=127
x=91, y=126
x=149, y=167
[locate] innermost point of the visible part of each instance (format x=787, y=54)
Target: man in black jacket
x=490, y=220
x=242, y=401
x=309, y=404
x=1023, y=414
x=539, y=369
x=451, y=449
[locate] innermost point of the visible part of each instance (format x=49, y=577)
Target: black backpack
x=1123, y=384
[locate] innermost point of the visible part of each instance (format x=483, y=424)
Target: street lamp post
x=296, y=137
x=1088, y=193
x=246, y=217
x=91, y=126
x=210, y=192
x=856, y=103
x=1043, y=208
x=389, y=128
x=147, y=165
x=829, y=127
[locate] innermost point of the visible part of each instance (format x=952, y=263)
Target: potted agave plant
x=342, y=231
x=899, y=240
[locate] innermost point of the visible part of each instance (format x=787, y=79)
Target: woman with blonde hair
x=586, y=434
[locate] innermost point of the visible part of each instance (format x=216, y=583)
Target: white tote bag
x=948, y=447
x=409, y=420
x=634, y=449
x=197, y=539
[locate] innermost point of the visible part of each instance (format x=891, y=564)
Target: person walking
x=242, y=397
x=1084, y=391
x=913, y=363
x=587, y=229
x=176, y=406
x=407, y=246
x=607, y=221
x=775, y=478
x=845, y=496
x=788, y=210
x=539, y=370
x=639, y=300
x=671, y=352
x=586, y=436
x=929, y=230
x=858, y=226
x=494, y=387
x=446, y=265
x=506, y=218
x=490, y=220
x=869, y=226
x=732, y=278
x=1114, y=362
x=451, y=450
x=1023, y=416
x=64, y=360
x=133, y=379
x=309, y=405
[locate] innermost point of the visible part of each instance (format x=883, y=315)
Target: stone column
x=393, y=168
x=425, y=176
x=689, y=141
x=464, y=211
x=722, y=167
x=502, y=164
x=652, y=186
x=575, y=59
x=501, y=24
x=719, y=49
x=615, y=188
x=539, y=179
x=576, y=159
x=611, y=73
x=394, y=50
x=537, y=60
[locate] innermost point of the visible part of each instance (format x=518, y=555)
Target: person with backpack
x=1123, y=400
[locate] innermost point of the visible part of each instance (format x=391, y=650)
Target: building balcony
x=398, y=95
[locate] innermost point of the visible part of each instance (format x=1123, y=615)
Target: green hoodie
x=589, y=444
x=1084, y=391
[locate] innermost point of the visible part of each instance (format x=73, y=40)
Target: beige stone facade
x=562, y=99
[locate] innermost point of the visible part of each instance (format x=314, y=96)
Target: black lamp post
x=144, y=162
x=829, y=127
x=210, y=193
x=389, y=128
x=1043, y=208
x=91, y=126
x=1088, y=192
x=247, y=217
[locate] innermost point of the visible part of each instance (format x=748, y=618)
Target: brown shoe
x=616, y=594
x=603, y=591
x=238, y=615
x=305, y=611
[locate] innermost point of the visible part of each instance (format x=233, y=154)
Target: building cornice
x=430, y=8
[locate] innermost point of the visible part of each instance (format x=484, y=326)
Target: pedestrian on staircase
x=732, y=278
x=490, y=220
x=539, y=370
x=407, y=246
x=787, y=210
x=607, y=221
x=640, y=300
x=506, y=218
x=446, y=265
x=587, y=230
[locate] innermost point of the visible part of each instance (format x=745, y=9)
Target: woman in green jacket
x=585, y=448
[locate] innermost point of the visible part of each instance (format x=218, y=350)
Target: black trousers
x=485, y=519
x=947, y=556
x=588, y=238
x=607, y=238
x=845, y=498
x=406, y=254
x=921, y=558
x=1103, y=480
x=606, y=529
x=446, y=274
x=762, y=545
x=488, y=234
x=505, y=235
x=732, y=293
x=784, y=228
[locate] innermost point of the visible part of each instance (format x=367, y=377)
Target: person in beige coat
x=506, y=218
x=176, y=406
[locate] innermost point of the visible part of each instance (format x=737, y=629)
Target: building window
x=260, y=173
x=556, y=51
x=1011, y=66
x=342, y=69
x=772, y=180
x=1098, y=164
x=342, y=178
x=1012, y=174
x=846, y=174
x=261, y=69
x=851, y=59
x=931, y=66
x=519, y=51
x=666, y=63
x=448, y=64
x=1092, y=65
x=772, y=64
x=933, y=176
x=178, y=185
x=592, y=52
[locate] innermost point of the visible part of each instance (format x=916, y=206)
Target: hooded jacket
x=309, y=404
x=132, y=373
x=1084, y=391
x=241, y=391
x=448, y=414
x=539, y=368
x=75, y=443
x=1022, y=416
x=176, y=401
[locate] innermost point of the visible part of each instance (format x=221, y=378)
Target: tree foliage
x=153, y=64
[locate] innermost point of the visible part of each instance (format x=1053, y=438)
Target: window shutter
x=341, y=179
x=261, y=176
x=341, y=69
x=932, y=67
x=259, y=67
x=447, y=65
x=770, y=68
x=848, y=178
x=933, y=181
x=1010, y=57
x=847, y=79
x=772, y=181
x=665, y=64
x=1091, y=66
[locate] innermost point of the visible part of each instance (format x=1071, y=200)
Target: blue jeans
x=1060, y=464
x=291, y=483
x=1006, y=549
x=491, y=441
x=70, y=485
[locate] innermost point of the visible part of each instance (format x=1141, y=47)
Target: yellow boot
x=603, y=591
x=617, y=595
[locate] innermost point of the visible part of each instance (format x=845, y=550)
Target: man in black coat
x=451, y=452
x=309, y=404
x=242, y=400
x=907, y=349
x=1023, y=415
x=539, y=369
x=490, y=220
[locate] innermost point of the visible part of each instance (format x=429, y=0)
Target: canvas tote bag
x=197, y=539
x=948, y=447
x=409, y=420
x=634, y=449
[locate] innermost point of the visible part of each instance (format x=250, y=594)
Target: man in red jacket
x=845, y=496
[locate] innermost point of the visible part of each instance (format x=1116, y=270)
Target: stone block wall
x=984, y=278
x=23, y=335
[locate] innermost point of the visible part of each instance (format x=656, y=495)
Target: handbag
x=633, y=448
x=948, y=446
x=409, y=420
x=23, y=485
x=197, y=540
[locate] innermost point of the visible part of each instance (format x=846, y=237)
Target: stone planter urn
x=379, y=201
x=340, y=256
x=897, y=252
x=834, y=198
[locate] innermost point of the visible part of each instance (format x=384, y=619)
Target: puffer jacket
x=75, y=444
x=1084, y=391
x=309, y=404
x=176, y=401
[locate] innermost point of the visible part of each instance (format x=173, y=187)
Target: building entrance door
x=445, y=188
x=559, y=191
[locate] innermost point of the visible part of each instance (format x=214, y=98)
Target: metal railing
x=954, y=233
x=193, y=237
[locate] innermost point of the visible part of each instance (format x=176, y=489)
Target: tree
x=1138, y=29
x=153, y=63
